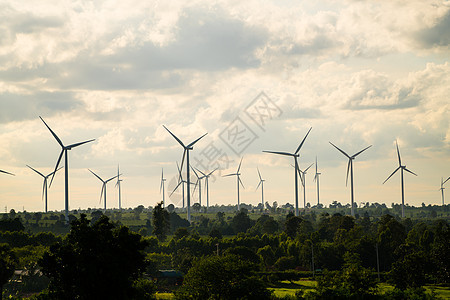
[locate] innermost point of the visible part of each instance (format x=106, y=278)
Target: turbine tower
x=295, y=155
x=403, y=168
x=316, y=178
x=118, y=183
x=186, y=153
x=238, y=180
x=302, y=175
x=45, y=185
x=350, y=167
x=181, y=182
x=261, y=183
x=443, y=188
x=206, y=176
x=103, y=192
x=199, y=182
x=64, y=150
x=162, y=187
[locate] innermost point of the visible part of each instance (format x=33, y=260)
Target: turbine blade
x=229, y=175
x=43, y=188
x=446, y=180
x=339, y=149
x=201, y=172
x=192, y=144
x=79, y=144
x=398, y=154
x=316, y=164
x=258, y=185
x=182, y=160
x=56, y=167
x=280, y=153
x=391, y=174
x=240, y=181
x=410, y=171
x=54, y=134
x=239, y=167
x=348, y=169
x=180, y=176
x=354, y=155
x=209, y=174
x=195, y=172
x=175, y=137
x=195, y=187
x=1, y=171
x=35, y=171
x=259, y=174
x=96, y=175
x=54, y=171
x=101, y=193
x=179, y=183
x=110, y=179
x=308, y=168
x=301, y=144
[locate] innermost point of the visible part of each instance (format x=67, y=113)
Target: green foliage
x=7, y=265
x=241, y=222
x=94, y=262
x=222, y=277
x=13, y=224
x=160, y=222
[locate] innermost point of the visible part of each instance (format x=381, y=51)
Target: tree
x=98, y=261
x=7, y=265
x=241, y=222
x=161, y=222
x=222, y=277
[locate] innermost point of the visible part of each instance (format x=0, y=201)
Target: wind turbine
x=350, y=167
x=45, y=185
x=199, y=183
x=295, y=155
x=302, y=175
x=118, y=185
x=181, y=182
x=206, y=176
x=316, y=178
x=103, y=192
x=162, y=187
x=238, y=179
x=403, y=168
x=443, y=188
x=64, y=150
x=1, y=171
x=186, y=153
x=261, y=183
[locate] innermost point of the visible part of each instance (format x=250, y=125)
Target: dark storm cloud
x=437, y=35
x=17, y=107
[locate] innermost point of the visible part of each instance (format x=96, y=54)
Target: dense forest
x=149, y=253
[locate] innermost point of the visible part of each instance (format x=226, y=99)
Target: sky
x=254, y=75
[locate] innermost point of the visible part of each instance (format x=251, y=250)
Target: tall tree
x=161, y=222
x=7, y=265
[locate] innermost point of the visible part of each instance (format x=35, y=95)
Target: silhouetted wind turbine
x=303, y=178
x=316, y=178
x=186, y=153
x=403, y=168
x=295, y=155
x=206, y=176
x=44, y=187
x=162, y=187
x=261, y=183
x=1, y=171
x=443, y=188
x=103, y=192
x=238, y=180
x=350, y=167
x=118, y=184
x=64, y=150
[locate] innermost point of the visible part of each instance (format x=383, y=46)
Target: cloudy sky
x=254, y=75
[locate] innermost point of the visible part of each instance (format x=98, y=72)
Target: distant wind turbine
x=103, y=192
x=316, y=178
x=64, y=150
x=181, y=181
x=206, y=176
x=238, y=180
x=302, y=175
x=295, y=155
x=402, y=168
x=162, y=187
x=350, y=167
x=261, y=183
x=443, y=188
x=45, y=185
x=1, y=171
x=186, y=153
x=118, y=184
x=199, y=183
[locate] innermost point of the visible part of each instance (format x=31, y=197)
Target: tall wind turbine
x=302, y=175
x=186, y=153
x=403, y=168
x=295, y=155
x=199, y=183
x=238, y=180
x=443, y=188
x=316, y=179
x=45, y=185
x=64, y=150
x=118, y=184
x=1, y=171
x=103, y=192
x=261, y=183
x=350, y=167
x=206, y=176
x=162, y=187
